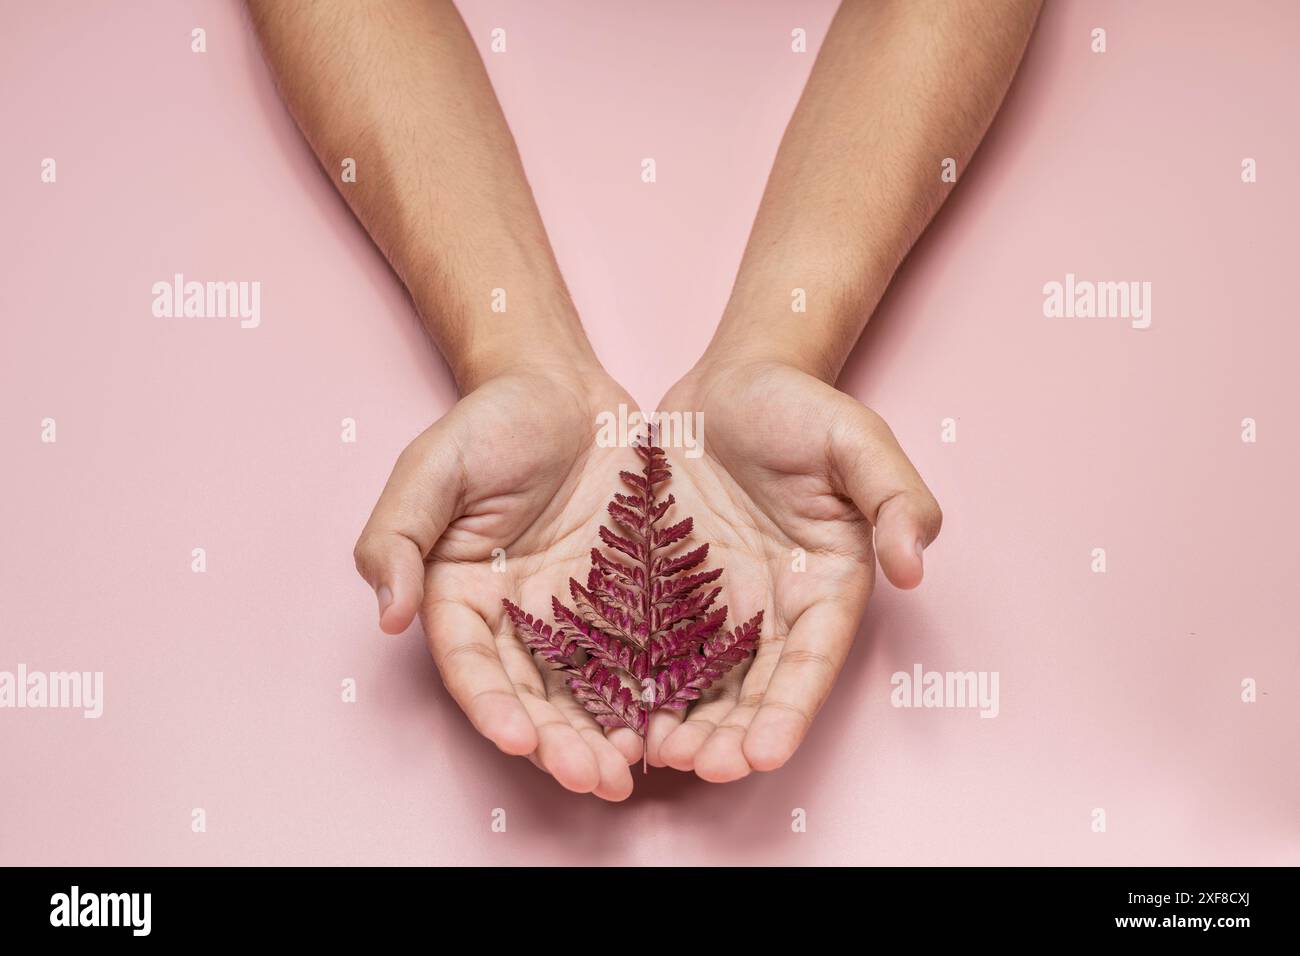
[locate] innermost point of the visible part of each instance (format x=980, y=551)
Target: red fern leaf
x=682, y=562
x=643, y=622
x=686, y=678
x=624, y=622
x=628, y=520
x=554, y=646
x=633, y=549
x=659, y=510
x=689, y=637
x=636, y=481
x=671, y=535
x=605, y=698
x=685, y=610
x=667, y=590
x=600, y=646
x=610, y=568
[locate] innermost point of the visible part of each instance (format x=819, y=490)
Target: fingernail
x=385, y=595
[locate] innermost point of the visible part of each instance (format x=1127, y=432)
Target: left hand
x=788, y=463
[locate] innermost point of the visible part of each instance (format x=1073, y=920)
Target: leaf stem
x=647, y=608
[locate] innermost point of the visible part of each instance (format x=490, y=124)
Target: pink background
x=1118, y=690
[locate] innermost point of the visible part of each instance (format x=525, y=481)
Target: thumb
x=417, y=504
x=886, y=488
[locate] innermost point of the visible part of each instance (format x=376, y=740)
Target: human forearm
x=897, y=88
x=399, y=88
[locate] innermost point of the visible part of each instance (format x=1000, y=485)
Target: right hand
x=502, y=498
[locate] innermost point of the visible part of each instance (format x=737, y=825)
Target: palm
x=768, y=494
x=522, y=486
x=762, y=494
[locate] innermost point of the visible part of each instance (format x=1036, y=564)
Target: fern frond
x=643, y=634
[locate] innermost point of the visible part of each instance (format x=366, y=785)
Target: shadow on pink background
x=1119, y=691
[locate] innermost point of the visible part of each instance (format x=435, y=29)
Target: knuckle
x=470, y=649
x=787, y=708
x=805, y=657
x=936, y=517
x=361, y=552
x=529, y=689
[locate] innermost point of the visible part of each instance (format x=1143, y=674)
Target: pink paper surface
x=1119, y=691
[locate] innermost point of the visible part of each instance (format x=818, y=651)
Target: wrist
x=548, y=349
x=511, y=330
x=804, y=316
x=750, y=339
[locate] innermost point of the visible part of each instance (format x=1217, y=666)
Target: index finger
x=811, y=659
x=417, y=504
x=466, y=656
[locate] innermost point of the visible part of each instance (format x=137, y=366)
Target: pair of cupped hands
x=514, y=471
